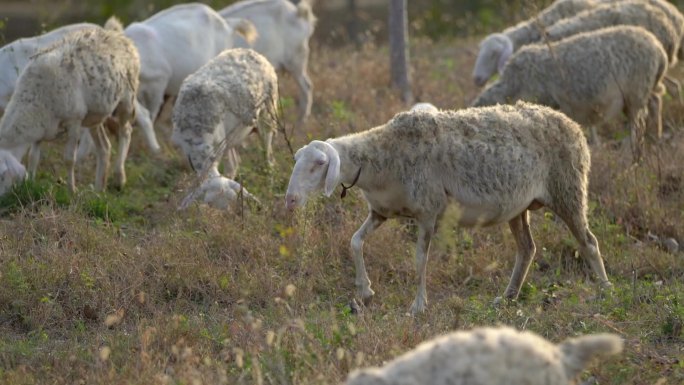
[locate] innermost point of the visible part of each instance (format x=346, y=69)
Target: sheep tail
x=579, y=352
x=114, y=24
x=305, y=11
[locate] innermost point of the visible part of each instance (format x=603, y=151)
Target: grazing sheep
x=224, y=101
x=427, y=107
x=15, y=56
x=495, y=163
x=173, y=44
x=673, y=14
x=634, y=12
x=496, y=49
x=81, y=81
x=592, y=77
x=283, y=30
x=491, y=356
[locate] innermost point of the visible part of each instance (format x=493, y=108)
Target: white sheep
x=495, y=163
x=14, y=57
x=672, y=12
x=223, y=102
x=85, y=79
x=173, y=44
x=632, y=12
x=593, y=77
x=492, y=356
x=283, y=30
x=496, y=49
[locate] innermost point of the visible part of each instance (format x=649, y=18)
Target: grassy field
x=121, y=288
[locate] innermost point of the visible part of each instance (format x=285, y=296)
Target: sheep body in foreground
x=593, y=77
x=225, y=100
x=491, y=356
x=81, y=81
x=496, y=49
x=494, y=163
x=283, y=31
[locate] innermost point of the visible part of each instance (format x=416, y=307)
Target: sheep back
x=500, y=156
x=636, y=13
x=584, y=74
x=82, y=78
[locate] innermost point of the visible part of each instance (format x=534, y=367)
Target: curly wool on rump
x=82, y=80
x=593, y=77
x=491, y=356
x=495, y=163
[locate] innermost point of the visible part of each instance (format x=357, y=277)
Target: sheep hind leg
x=33, y=160
x=103, y=149
x=372, y=222
x=74, y=133
x=520, y=227
x=425, y=232
x=674, y=88
x=124, y=138
x=588, y=245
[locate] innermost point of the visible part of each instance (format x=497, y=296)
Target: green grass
x=121, y=287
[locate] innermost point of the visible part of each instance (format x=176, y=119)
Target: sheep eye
x=320, y=162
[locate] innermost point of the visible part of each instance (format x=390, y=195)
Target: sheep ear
x=332, y=178
x=506, y=53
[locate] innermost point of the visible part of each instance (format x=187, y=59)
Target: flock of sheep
x=519, y=147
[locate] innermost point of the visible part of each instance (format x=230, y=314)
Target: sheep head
x=317, y=167
x=494, y=52
x=11, y=171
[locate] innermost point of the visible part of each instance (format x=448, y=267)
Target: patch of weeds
x=340, y=111
x=99, y=207
x=23, y=194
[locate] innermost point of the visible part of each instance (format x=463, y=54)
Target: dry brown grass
x=156, y=296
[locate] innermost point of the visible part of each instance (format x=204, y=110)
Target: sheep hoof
x=354, y=307
x=418, y=307
x=502, y=301
x=366, y=295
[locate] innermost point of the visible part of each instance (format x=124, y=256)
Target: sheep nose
x=291, y=201
x=479, y=81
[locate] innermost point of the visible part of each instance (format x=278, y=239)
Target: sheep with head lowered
x=220, y=104
x=494, y=163
x=84, y=80
x=15, y=56
x=497, y=48
x=283, y=32
x=491, y=356
x=593, y=77
x=176, y=42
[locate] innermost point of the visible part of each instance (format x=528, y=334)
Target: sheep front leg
x=73, y=130
x=103, y=149
x=33, y=160
x=520, y=227
x=425, y=233
x=298, y=70
x=124, y=138
x=372, y=222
